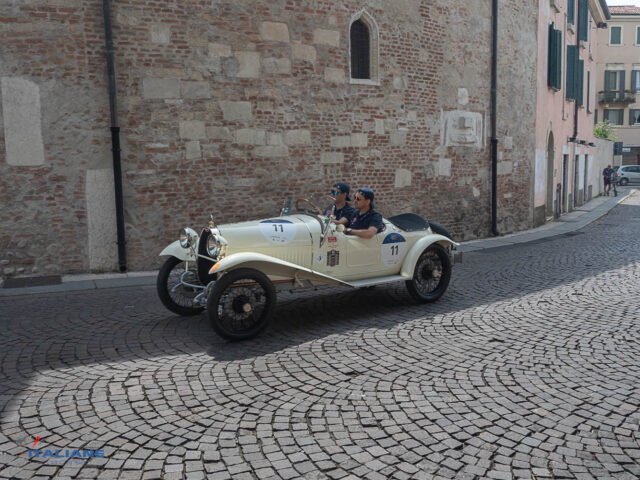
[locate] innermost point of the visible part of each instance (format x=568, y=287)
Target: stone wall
x=228, y=107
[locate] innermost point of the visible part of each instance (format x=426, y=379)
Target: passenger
x=340, y=209
x=367, y=222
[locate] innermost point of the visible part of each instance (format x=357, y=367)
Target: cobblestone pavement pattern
x=529, y=367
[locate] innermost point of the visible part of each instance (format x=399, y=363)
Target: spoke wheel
x=431, y=275
x=173, y=292
x=240, y=304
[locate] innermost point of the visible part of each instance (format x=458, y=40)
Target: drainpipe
x=115, y=137
x=494, y=139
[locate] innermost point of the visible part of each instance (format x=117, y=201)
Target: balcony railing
x=617, y=96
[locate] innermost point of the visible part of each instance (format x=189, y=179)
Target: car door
x=634, y=174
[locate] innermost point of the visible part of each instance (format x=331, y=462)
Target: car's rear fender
x=272, y=267
x=420, y=246
x=174, y=249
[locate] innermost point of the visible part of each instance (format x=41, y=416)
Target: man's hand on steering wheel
x=315, y=209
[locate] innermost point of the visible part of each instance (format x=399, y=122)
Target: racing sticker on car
x=278, y=231
x=394, y=248
x=333, y=258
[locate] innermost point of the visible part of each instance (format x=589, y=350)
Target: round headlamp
x=185, y=238
x=213, y=245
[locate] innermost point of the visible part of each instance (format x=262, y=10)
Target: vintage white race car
x=234, y=270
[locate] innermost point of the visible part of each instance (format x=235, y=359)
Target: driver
x=367, y=222
x=340, y=209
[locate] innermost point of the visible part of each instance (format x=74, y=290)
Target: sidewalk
x=570, y=222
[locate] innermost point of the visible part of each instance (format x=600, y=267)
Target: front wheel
x=240, y=304
x=431, y=275
x=176, y=281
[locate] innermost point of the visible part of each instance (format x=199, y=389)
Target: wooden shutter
x=588, y=92
x=571, y=11
x=580, y=97
x=571, y=72
x=551, y=57
x=583, y=19
x=558, y=54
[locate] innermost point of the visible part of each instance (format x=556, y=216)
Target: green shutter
x=588, y=92
x=571, y=11
x=558, y=77
x=580, y=98
x=551, y=57
x=571, y=72
x=583, y=19
x=634, y=81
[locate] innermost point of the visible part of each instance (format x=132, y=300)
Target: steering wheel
x=316, y=209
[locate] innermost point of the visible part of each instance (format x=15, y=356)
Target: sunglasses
x=335, y=192
x=357, y=199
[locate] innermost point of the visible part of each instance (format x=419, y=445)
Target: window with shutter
x=634, y=117
x=571, y=86
x=637, y=35
x=635, y=80
x=360, y=50
x=615, y=37
x=615, y=116
x=554, y=67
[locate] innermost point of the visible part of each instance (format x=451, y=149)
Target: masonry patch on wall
x=22, y=122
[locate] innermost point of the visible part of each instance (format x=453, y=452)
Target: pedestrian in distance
x=606, y=175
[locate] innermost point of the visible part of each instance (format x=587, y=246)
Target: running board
x=369, y=282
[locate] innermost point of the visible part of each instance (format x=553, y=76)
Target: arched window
x=363, y=48
x=360, y=50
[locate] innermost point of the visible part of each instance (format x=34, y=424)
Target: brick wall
x=228, y=107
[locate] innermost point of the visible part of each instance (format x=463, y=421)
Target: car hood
x=292, y=231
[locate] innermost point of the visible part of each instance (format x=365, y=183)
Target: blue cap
x=344, y=188
x=367, y=193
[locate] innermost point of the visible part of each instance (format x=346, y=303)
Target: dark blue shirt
x=366, y=220
x=347, y=212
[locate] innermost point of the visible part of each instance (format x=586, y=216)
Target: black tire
x=177, y=298
x=623, y=182
x=431, y=275
x=241, y=303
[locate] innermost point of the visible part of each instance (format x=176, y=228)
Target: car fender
x=271, y=266
x=412, y=257
x=175, y=250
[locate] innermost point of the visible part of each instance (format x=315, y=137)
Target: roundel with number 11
x=394, y=248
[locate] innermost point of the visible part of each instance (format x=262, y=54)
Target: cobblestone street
x=529, y=367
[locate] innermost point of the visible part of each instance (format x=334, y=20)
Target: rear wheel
x=240, y=304
x=431, y=275
x=623, y=181
x=174, y=290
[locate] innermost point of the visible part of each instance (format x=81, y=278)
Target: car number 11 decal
x=278, y=231
x=394, y=248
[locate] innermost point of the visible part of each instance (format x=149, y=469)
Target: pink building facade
x=565, y=150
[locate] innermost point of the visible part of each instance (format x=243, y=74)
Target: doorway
x=550, y=172
x=565, y=181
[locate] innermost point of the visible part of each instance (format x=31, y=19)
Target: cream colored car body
x=293, y=249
